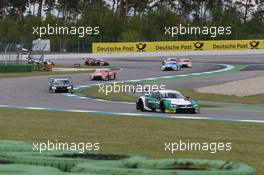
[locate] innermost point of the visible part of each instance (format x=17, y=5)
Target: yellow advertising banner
x=177, y=46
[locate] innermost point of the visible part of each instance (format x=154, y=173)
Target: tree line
x=128, y=20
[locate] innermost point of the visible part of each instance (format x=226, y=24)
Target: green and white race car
x=167, y=101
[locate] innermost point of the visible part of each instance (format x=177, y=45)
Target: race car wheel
x=140, y=105
x=153, y=109
x=162, y=107
x=107, y=78
x=197, y=111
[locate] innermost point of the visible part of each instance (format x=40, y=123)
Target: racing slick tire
x=162, y=107
x=140, y=106
x=70, y=91
x=198, y=111
x=114, y=77
x=107, y=78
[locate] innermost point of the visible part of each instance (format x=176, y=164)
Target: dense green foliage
x=127, y=20
x=15, y=160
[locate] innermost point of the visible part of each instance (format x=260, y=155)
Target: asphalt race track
x=33, y=91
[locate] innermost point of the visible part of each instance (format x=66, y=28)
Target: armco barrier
x=16, y=68
x=177, y=46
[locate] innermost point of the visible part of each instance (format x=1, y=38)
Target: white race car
x=167, y=101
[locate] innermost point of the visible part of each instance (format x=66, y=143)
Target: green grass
x=93, y=92
x=136, y=135
x=254, y=99
x=40, y=73
x=45, y=73
x=82, y=66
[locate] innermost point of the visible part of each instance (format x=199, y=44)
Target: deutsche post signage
x=177, y=46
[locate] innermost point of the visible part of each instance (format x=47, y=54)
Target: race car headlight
x=195, y=105
x=69, y=87
x=173, y=104
x=53, y=88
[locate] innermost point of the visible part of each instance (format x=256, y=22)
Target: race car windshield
x=172, y=95
x=101, y=71
x=171, y=62
x=61, y=82
x=172, y=59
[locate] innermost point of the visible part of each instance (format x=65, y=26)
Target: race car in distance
x=171, y=66
x=164, y=61
x=60, y=84
x=41, y=60
x=103, y=74
x=95, y=62
x=185, y=62
x=167, y=101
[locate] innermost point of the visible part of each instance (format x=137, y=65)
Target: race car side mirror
x=188, y=98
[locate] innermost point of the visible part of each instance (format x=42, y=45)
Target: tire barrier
x=18, y=158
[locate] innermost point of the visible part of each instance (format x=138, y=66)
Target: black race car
x=95, y=62
x=60, y=84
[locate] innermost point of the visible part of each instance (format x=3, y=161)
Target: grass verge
x=92, y=92
x=45, y=73
x=254, y=99
x=40, y=73
x=136, y=135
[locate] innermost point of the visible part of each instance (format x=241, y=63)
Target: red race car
x=103, y=74
x=95, y=62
